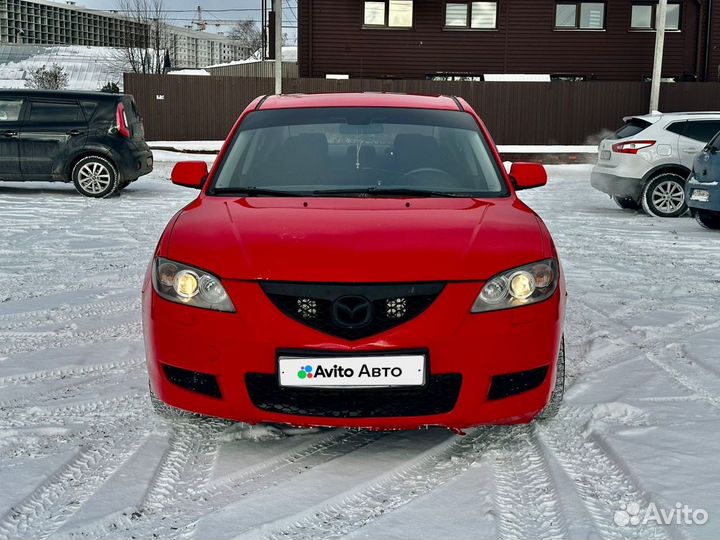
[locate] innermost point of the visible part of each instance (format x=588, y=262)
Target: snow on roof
x=517, y=77
x=201, y=72
x=88, y=68
x=289, y=55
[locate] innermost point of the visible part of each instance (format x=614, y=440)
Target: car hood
x=357, y=239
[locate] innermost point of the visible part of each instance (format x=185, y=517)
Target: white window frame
x=388, y=14
x=469, y=7
x=578, y=16
x=653, y=17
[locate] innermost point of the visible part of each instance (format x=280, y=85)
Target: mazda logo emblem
x=352, y=311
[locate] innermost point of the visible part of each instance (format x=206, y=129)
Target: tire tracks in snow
x=181, y=511
x=32, y=341
x=57, y=499
x=29, y=319
x=526, y=502
x=74, y=379
x=601, y=483
x=415, y=478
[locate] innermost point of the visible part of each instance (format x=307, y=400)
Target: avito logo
x=307, y=372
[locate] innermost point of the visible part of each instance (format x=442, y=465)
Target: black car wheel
x=95, y=176
x=709, y=220
x=553, y=406
x=664, y=196
x=626, y=203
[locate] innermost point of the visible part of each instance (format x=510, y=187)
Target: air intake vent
x=352, y=311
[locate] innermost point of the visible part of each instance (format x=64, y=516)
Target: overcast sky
x=240, y=9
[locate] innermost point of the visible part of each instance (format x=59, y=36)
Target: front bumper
x=713, y=188
x=238, y=351
x=617, y=186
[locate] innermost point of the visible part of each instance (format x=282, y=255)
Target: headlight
x=190, y=286
x=518, y=287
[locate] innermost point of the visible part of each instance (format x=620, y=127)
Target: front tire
x=709, y=220
x=664, y=196
x=95, y=177
x=626, y=203
x=556, y=398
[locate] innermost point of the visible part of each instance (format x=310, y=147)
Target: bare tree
x=247, y=34
x=147, y=39
x=52, y=78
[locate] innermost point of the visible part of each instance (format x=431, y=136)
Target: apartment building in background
x=44, y=22
x=468, y=40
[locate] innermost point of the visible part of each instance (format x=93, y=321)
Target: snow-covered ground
x=82, y=455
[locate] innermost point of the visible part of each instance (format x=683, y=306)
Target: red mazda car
x=357, y=260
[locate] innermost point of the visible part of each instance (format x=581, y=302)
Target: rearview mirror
x=528, y=175
x=190, y=174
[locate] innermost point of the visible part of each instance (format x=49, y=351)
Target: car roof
x=359, y=99
x=656, y=115
x=60, y=94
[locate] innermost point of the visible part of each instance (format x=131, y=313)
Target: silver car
x=646, y=162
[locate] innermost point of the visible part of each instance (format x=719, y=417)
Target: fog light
x=700, y=195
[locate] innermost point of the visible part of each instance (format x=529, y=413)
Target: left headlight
x=190, y=286
x=518, y=287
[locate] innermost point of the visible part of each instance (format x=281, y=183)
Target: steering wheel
x=427, y=170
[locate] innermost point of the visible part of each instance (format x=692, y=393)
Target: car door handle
x=10, y=133
x=74, y=132
x=692, y=150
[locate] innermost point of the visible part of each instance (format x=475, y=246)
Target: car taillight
x=632, y=147
x=121, y=121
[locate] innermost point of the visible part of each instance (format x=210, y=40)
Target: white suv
x=647, y=161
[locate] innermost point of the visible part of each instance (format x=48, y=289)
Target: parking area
x=83, y=455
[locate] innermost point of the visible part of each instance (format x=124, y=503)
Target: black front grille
x=438, y=396
x=352, y=311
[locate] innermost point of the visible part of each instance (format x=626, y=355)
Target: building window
x=475, y=15
x=580, y=16
x=388, y=14
x=643, y=17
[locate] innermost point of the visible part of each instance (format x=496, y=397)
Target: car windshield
x=364, y=152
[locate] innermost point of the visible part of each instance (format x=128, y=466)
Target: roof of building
x=360, y=99
x=88, y=68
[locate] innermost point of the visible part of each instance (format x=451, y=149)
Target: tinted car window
x=702, y=130
x=631, y=127
x=307, y=150
x=10, y=110
x=677, y=127
x=46, y=112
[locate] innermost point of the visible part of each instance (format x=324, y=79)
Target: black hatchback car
x=93, y=139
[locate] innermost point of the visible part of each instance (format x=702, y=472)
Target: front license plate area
x=352, y=371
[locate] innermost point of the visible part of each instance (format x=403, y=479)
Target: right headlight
x=518, y=287
x=188, y=285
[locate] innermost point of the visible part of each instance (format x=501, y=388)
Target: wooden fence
x=204, y=108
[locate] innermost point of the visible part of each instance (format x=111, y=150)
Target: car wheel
x=164, y=410
x=95, y=176
x=664, y=196
x=626, y=203
x=709, y=220
x=553, y=406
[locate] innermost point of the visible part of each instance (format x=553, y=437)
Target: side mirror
x=190, y=174
x=528, y=175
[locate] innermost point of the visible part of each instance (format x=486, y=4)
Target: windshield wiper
x=375, y=191
x=252, y=191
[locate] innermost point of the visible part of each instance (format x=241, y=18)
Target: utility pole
x=278, y=45
x=660, y=21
